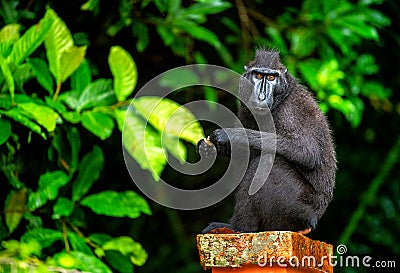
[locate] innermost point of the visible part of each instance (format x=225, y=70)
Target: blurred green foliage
x=56, y=114
x=345, y=51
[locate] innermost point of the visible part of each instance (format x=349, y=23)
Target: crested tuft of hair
x=267, y=58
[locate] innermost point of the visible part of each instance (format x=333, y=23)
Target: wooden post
x=264, y=252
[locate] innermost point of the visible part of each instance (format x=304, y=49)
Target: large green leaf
x=5, y=130
x=127, y=246
x=14, y=208
x=97, y=93
x=142, y=143
x=89, y=263
x=49, y=183
x=117, y=204
x=124, y=71
x=71, y=58
x=43, y=115
x=170, y=118
x=42, y=73
x=89, y=171
x=31, y=39
x=45, y=236
x=100, y=124
x=58, y=40
x=20, y=116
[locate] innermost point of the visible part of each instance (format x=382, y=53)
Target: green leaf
x=71, y=58
x=97, y=93
x=175, y=79
x=72, y=117
x=55, y=104
x=10, y=32
x=124, y=71
x=210, y=7
x=309, y=70
x=373, y=89
x=89, y=171
x=49, y=183
x=81, y=78
x=277, y=38
x=31, y=39
x=5, y=69
x=329, y=73
x=199, y=33
x=57, y=42
x=22, y=73
x=45, y=236
x=43, y=115
x=166, y=34
x=78, y=243
x=100, y=238
x=5, y=48
x=356, y=24
x=42, y=73
x=5, y=130
x=20, y=116
x=175, y=147
x=89, y=263
x=302, y=41
x=169, y=117
x=141, y=31
x=118, y=261
x=117, y=204
x=128, y=247
x=14, y=208
x=143, y=144
x=62, y=208
x=100, y=124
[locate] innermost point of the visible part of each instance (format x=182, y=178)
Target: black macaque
x=300, y=184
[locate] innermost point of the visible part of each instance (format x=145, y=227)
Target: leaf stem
x=57, y=92
x=65, y=236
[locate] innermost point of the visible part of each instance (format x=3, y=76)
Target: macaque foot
x=305, y=231
x=217, y=225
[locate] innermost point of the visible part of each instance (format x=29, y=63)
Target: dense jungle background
x=70, y=68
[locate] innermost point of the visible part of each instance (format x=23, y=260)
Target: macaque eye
x=270, y=77
x=259, y=76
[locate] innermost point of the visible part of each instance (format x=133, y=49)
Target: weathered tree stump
x=272, y=252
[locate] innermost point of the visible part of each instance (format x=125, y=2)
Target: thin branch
x=244, y=23
x=260, y=17
x=65, y=236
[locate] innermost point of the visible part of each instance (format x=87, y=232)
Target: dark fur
x=300, y=185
